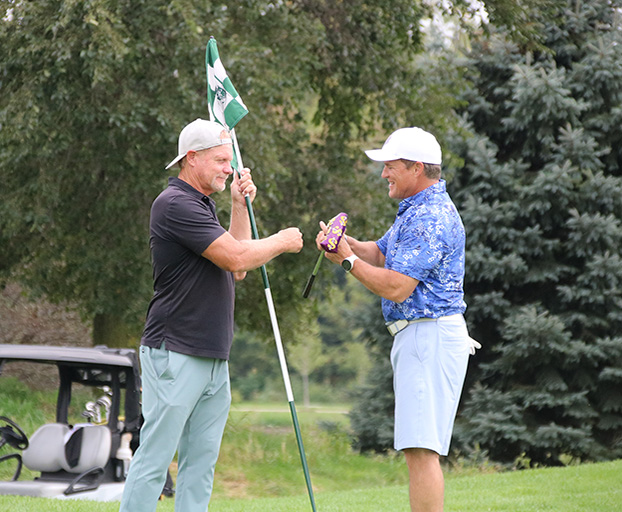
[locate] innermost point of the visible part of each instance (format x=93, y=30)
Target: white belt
x=399, y=325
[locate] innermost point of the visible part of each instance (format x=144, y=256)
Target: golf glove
x=473, y=345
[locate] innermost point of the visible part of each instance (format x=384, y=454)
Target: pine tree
x=540, y=192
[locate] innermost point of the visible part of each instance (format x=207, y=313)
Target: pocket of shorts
x=454, y=339
x=422, y=342
x=160, y=358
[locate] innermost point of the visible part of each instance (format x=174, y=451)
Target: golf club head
x=104, y=401
x=90, y=416
x=336, y=228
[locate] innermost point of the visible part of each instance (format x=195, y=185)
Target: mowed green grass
x=584, y=488
x=259, y=469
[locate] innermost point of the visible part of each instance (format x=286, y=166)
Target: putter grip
x=336, y=228
x=307, y=289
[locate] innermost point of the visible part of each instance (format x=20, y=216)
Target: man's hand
x=291, y=239
x=383, y=282
x=343, y=248
x=242, y=186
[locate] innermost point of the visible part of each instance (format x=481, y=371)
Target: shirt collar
x=420, y=197
x=186, y=187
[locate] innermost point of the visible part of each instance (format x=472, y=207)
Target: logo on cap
x=224, y=135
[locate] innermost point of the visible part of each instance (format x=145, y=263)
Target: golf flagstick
x=222, y=96
x=277, y=338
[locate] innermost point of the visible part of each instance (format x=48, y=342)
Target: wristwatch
x=348, y=263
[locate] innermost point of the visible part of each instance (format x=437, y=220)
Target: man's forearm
x=240, y=229
x=386, y=283
x=259, y=252
x=240, y=225
x=367, y=251
x=241, y=255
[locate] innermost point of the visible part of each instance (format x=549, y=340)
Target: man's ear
x=191, y=157
x=417, y=168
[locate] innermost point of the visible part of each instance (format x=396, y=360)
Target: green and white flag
x=225, y=105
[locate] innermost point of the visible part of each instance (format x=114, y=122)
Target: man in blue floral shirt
x=417, y=268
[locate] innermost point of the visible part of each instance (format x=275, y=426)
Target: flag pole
x=277, y=336
x=227, y=108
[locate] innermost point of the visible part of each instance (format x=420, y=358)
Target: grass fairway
x=585, y=488
x=259, y=470
x=260, y=459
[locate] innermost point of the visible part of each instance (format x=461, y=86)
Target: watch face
x=347, y=265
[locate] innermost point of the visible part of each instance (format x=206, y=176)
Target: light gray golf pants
x=185, y=404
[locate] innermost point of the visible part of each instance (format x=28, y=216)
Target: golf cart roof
x=84, y=356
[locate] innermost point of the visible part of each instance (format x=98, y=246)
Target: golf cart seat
x=46, y=448
x=71, y=459
x=87, y=447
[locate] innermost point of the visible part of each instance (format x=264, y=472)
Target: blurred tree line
x=328, y=363
x=92, y=98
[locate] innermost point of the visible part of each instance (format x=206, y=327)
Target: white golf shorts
x=429, y=360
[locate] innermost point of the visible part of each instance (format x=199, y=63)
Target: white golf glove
x=473, y=345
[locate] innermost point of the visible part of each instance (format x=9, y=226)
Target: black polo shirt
x=192, y=305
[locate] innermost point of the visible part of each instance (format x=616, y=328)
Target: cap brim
x=380, y=155
x=221, y=142
x=177, y=159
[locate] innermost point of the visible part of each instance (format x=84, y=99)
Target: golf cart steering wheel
x=12, y=434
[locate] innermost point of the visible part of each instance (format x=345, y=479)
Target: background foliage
x=541, y=195
x=540, y=192
x=93, y=95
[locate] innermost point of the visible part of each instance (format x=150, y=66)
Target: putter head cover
x=336, y=229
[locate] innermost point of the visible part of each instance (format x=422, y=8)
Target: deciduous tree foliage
x=372, y=415
x=93, y=95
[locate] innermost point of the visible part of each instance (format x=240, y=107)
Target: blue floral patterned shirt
x=426, y=242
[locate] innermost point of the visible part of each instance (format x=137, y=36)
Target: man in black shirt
x=189, y=328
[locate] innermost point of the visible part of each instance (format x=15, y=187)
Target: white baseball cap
x=200, y=134
x=412, y=144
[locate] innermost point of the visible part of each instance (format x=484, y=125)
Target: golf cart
x=87, y=458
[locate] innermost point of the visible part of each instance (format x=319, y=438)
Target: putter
x=335, y=231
